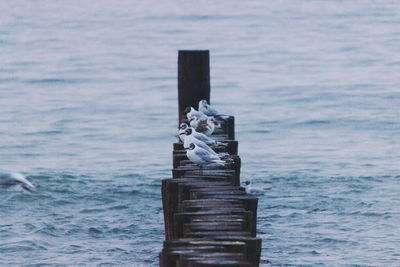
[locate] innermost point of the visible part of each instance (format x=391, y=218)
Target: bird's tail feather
x=220, y=162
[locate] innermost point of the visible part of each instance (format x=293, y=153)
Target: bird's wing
x=215, y=122
x=214, y=111
x=211, y=110
x=204, y=155
x=202, y=125
x=204, y=138
x=205, y=147
x=19, y=177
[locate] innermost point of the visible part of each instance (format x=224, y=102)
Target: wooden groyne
x=209, y=218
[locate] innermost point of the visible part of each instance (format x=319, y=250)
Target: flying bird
x=11, y=179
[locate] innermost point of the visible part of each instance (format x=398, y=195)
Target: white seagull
x=249, y=190
x=200, y=136
x=189, y=139
x=205, y=108
x=11, y=179
x=190, y=112
x=181, y=132
x=202, y=157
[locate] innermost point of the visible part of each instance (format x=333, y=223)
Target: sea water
x=88, y=112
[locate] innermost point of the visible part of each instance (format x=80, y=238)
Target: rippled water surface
x=88, y=112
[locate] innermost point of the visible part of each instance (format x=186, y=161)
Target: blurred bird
x=202, y=157
x=205, y=108
x=190, y=112
x=11, y=179
x=249, y=190
x=205, y=125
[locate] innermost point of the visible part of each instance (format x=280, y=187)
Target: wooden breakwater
x=209, y=219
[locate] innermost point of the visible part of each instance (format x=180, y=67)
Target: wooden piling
x=193, y=79
x=209, y=218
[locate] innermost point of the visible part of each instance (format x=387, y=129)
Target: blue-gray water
x=88, y=111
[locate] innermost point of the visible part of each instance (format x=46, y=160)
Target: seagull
x=10, y=179
x=184, y=124
x=181, y=132
x=249, y=190
x=194, y=122
x=189, y=139
x=200, y=136
x=205, y=125
x=190, y=112
x=201, y=157
x=205, y=108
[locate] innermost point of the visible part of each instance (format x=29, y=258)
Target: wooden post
x=193, y=79
x=209, y=219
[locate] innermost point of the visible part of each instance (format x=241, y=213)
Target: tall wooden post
x=193, y=79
